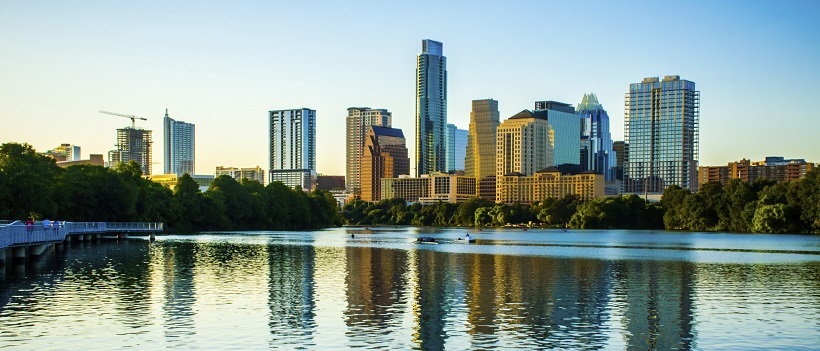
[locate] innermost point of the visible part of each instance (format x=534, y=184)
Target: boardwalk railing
x=18, y=233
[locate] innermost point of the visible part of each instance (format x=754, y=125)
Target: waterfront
x=538, y=289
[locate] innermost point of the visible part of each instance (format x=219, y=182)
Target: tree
x=26, y=182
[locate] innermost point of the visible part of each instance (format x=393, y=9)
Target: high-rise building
x=431, y=108
x=620, y=148
x=600, y=157
x=456, y=148
x=178, y=146
x=359, y=119
x=253, y=173
x=524, y=144
x=385, y=156
x=133, y=144
x=293, y=147
x=481, y=149
x=661, y=129
x=563, y=121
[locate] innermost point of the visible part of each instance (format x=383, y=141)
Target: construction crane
x=132, y=117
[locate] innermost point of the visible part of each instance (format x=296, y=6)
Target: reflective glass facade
x=431, y=109
x=661, y=130
x=456, y=148
x=563, y=121
x=179, y=142
x=293, y=147
x=599, y=156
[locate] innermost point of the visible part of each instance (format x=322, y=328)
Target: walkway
x=19, y=234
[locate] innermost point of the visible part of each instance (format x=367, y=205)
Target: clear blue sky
x=223, y=65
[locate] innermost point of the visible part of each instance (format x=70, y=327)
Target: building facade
x=430, y=188
x=596, y=150
x=331, y=183
x=524, y=144
x=133, y=144
x=358, y=121
x=431, y=108
x=661, y=128
x=293, y=147
x=254, y=173
x=548, y=183
x=456, y=148
x=170, y=180
x=178, y=145
x=773, y=168
x=480, y=160
x=385, y=156
x=563, y=121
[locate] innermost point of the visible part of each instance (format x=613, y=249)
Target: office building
x=563, y=121
x=596, y=149
x=170, y=180
x=293, y=147
x=358, y=121
x=385, y=156
x=524, y=144
x=620, y=148
x=93, y=160
x=430, y=188
x=64, y=152
x=178, y=145
x=431, y=108
x=773, y=168
x=133, y=144
x=552, y=182
x=456, y=148
x=332, y=183
x=661, y=129
x=481, y=148
x=252, y=173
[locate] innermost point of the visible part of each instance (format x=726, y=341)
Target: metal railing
x=17, y=233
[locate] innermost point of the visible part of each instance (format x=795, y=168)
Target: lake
x=379, y=289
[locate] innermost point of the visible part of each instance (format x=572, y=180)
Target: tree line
x=32, y=185
x=763, y=206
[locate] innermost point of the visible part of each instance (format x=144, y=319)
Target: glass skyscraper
x=564, y=123
x=178, y=146
x=431, y=108
x=456, y=148
x=661, y=132
x=293, y=147
x=595, y=137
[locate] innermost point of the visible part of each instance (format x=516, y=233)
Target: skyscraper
x=133, y=144
x=456, y=148
x=385, y=156
x=431, y=108
x=564, y=122
x=293, y=147
x=600, y=157
x=359, y=120
x=661, y=131
x=524, y=144
x=480, y=160
x=178, y=146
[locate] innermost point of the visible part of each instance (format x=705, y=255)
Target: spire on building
x=589, y=103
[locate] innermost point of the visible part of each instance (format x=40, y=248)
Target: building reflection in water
x=291, y=295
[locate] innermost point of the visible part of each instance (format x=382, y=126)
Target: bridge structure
x=19, y=240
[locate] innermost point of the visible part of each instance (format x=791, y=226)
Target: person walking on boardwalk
x=46, y=224
x=29, y=225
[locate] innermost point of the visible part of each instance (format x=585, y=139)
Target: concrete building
x=178, y=146
x=358, y=121
x=564, y=122
x=661, y=128
x=430, y=188
x=431, y=108
x=385, y=156
x=773, y=168
x=253, y=173
x=480, y=159
x=548, y=183
x=133, y=144
x=64, y=152
x=94, y=160
x=524, y=144
x=293, y=147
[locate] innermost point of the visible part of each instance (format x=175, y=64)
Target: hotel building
x=429, y=188
x=548, y=183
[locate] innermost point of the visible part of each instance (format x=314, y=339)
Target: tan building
x=358, y=121
x=549, y=183
x=480, y=161
x=773, y=168
x=385, y=156
x=94, y=160
x=430, y=188
x=524, y=144
x=255, y=173
x=170, y=180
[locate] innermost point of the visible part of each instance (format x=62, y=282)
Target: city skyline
x=72, y=60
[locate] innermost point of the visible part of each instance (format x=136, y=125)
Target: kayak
x=464, y=241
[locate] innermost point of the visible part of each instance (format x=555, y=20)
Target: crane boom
x=132, y=117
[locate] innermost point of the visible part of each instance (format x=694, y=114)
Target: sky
x=224, y=65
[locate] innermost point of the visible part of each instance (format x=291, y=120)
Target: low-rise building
x=256, y=173
x=430, y=188
x=547, y=183
x=170, y=180
x=773, y=168
x=94, y=159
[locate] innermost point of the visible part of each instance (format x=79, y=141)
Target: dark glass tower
x=595, y=138
x=431, y=109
